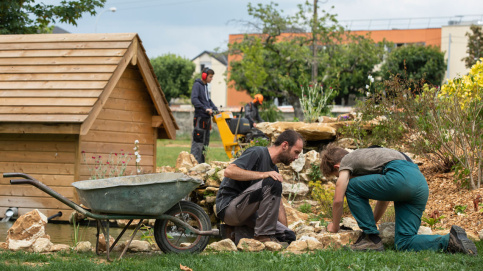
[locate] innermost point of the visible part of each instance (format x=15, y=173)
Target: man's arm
x=338, y=207
x=232, y=171
x=282, y=215
x=380, y=208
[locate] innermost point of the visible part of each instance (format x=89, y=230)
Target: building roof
x=63, y=80
x=221, y=57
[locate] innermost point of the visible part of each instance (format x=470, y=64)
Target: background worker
x=251, y=110
x=204, y=107
x=385, y=175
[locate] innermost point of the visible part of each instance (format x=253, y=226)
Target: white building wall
x=218, y=84
x=454, y=43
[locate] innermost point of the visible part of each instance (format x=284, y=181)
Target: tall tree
x=279, y=59
x=28, y=17
x=475, y=46
x=174, y=74
x=416, y=63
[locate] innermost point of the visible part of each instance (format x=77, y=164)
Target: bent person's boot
x=368, y=242
x=459, y=242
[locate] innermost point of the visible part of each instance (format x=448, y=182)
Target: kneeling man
x=249, y=197
x=385, y=175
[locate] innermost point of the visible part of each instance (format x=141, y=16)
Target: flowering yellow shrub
x=466, y=88
x=324, y=194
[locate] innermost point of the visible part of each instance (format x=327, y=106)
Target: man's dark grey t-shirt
x=369, y=161
x=253, y=159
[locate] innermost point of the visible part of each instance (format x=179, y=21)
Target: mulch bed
x=445, y=193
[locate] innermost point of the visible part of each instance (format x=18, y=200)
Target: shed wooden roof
x=63, y=80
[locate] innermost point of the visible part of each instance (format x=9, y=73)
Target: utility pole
x=314, y=45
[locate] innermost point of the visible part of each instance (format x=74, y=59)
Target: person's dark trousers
x=255, y=211
x=201, y=138
x=403, y=183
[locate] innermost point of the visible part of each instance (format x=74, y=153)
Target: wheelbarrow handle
x=16, y=174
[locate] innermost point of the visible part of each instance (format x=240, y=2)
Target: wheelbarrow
x=180, y=226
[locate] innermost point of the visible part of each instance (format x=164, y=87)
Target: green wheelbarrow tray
x=148, y=194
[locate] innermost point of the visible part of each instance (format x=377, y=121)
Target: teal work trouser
x=403, y=183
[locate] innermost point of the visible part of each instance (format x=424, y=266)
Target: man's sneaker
x=365, y=243
x=459, y=242
x=270, y=238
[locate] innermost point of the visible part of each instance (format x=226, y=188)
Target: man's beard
x=285, y=157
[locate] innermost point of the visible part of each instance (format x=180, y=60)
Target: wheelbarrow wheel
x=174, y=238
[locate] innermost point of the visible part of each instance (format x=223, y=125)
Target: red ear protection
x=204, y=75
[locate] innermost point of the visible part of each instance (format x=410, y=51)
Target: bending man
x=385, y=175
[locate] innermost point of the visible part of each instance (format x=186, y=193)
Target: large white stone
x=297, y=189
x=26, y=230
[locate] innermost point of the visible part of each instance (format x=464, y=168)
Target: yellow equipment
x=231, y=139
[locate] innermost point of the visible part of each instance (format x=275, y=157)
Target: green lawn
x=168, y=150
x=266, y=261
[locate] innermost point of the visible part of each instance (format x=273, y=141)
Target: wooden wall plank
x=48, y=85
x=40, y=128
x=51, y=93
x=57, y=68
x=32, y=202
x=113, y=114
x=48, y=101
x=62, y=52
x=103, y=136
x=121, y=126
x=49, y=180
x=35, y=61
x=42, y=138
x=65, y=45
x=31, y=191
x=42, y=118
x=37, y=168
x=43, y=146
x=95, y=148
x=55, y=76
x=38, y=156
x=130, y=94
x=131, y=106
x=77, y=110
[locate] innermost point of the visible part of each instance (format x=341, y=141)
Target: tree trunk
x=297, y=108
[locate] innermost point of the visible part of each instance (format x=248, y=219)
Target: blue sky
x=188, y=27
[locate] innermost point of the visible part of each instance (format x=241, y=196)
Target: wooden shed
x=66, y=96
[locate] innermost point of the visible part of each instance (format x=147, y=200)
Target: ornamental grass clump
x=315, y=101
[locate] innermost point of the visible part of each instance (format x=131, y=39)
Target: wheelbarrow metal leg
x=132, y=237
x=121, y=234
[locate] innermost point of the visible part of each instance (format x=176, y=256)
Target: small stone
x=350, y=223
x=273, y=246
x=59, y=247
x=480, y=234
x=222, y=246
x=84, y=246
x=139, y=246
x=314, y=244
x=297, y=247
x=250, y=245
x=41, y=245
x=423, y=230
